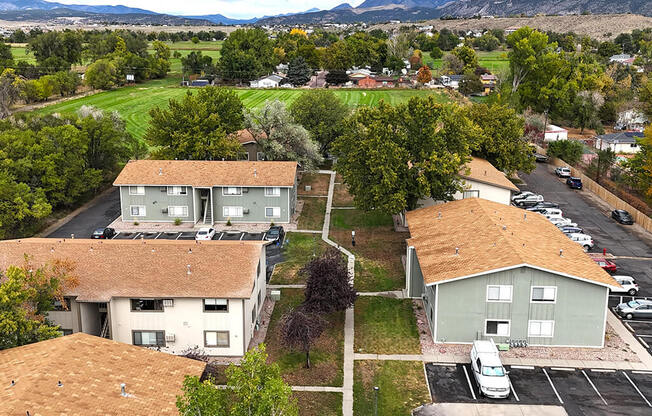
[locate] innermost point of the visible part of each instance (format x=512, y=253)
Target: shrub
x=177, y=221
x=136, y=223
x=228, y=222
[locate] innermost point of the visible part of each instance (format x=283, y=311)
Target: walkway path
x=347, y=387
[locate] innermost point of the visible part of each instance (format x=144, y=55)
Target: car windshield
x=272, y=232
x=99, y=231
x=202, y=233
x=633, y=304
x=497, y=371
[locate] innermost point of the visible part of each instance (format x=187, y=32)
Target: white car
x=528, y=201
x=488, y=371
x=522, y=195
x=628, y=284
x=561, y=221
x=563, y=172
x=584, y=240
x=551, y=212
x=205, y=234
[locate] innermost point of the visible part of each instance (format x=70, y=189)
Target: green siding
x=414, y=274
x=155, y=200
x=578, y=312
x=254, y=200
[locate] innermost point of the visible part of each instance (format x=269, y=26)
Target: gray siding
x=155, y=200
x=254, y=200
x=578, y=313
x=414, y=274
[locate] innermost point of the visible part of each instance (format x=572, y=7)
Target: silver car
x=635, y=309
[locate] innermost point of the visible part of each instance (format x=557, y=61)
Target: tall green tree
x=21, y=208
x=570, y=151
x=298, y=72
x=601, y=165
x=337, y=57
x=65, y=46
x=467, y=55
x=529, y=50
x=10, y=89
x=101, y=74
x=246, y=54
x=586, y=106
x=196, y=63
x=198, y=126
x=6, y=57
x=322, y=114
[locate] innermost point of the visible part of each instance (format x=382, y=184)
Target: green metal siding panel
x=416, y=276
x=578, y=312
x=154, y=201
x=254, y=200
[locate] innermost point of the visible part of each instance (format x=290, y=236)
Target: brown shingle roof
x=244, y=136
x=91, y=370
x=481, y=170
x=207, y=173
x=492, y=236
x=151, y=268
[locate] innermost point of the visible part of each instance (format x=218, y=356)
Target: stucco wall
x=490, y=192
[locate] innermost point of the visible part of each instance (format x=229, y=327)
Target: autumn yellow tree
x=300, y=32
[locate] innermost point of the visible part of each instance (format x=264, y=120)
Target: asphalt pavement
x=619, y=240
x=99, y=215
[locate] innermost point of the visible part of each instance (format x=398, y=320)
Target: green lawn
x=495, y=61
x=326, y=355
x=401, y=387
x=19, y=54
x=202, y=45
x=312, y=214
x=298, y=249
x=385, y=326
x=319, y=403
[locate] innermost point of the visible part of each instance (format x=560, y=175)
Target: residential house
x=367, y=82
x=451, y=81
x=554, y=133
x=81, y=374
x=269, y=81
x=207, y=191
x=251, y=146
x=168, y=294
x=488, y=83
x=633, y=120
x=622, y=142
x=491, y=271
x=622, y=58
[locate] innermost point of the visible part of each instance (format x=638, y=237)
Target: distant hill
x=405, y=4
x=219, y=19
x=467, y=8
x=13, y=5
x=110, y=18
x=342, y=6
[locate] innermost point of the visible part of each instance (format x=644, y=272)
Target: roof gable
x=481, y=170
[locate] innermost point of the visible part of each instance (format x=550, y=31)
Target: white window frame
x=509, y=327
x=500, y=289
x=260, y=156
x=177, y=190
x=275, y=191
x=140, y=207
x=540, y=322
x=137, y=191
x=229, y=207
x=238, y=188
x=550, y=302
x=171, y=207
x=273, y=216
x=472, y=193
x=216, y=345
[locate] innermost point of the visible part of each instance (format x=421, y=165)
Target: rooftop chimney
x=439, y=215
x=13, y=383
x=123, y=390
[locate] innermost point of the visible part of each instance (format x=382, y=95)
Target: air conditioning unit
x=164, y=211
x=168, y=303
x=245, y=190
x=245, y=211
x=169, y=337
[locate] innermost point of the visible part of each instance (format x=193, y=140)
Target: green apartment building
x=490, y=271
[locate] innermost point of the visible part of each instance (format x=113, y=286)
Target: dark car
x=275, y=234
x=622, y=216
x=574, y=183
x=103, y=233
x=540, y=158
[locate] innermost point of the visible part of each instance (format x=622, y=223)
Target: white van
x=489, y=373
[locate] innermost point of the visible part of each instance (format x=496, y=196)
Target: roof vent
x=160, y=171
x=59, y=383
x=439, y=215
x=525, y=215
x=123, y=390
x=153, y=251
x=457, y=251
x=90, y=249
x=189, y=251
x=189, y=271
x=13, y=383
x=561, y=253
x=504, y=227
x=485, y=173
x=51, y=249
x=255, y=173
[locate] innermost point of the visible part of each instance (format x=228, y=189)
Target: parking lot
x=581, y=392
x=187, y=235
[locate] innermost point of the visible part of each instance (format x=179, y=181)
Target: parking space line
x=468, y=380
x=522, y=367
x=602, y=370
x=552, y=385
x=594, y=388
x=513, y=390
x=629, y=327
x=644, y=343
x=641, y=372
x=157, y=236
x=445, y=364
x=115, y=235
x=562, y=368
x=137, y=235
x=221, y=235
x=639, y=392
x=241, y=236
x=178, y=235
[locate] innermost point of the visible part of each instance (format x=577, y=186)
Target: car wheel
x=480, y=392
x=586, y=248
x=631, y=292
x=629, y=316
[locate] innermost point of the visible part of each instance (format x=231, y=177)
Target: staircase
x=208, y=212
x=105, y=330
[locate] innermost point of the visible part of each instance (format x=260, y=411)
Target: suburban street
x=99, y=215
x=619, y=240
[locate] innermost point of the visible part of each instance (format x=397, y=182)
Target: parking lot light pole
x=376, y=400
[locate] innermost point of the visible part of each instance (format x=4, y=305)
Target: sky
x=228, y=8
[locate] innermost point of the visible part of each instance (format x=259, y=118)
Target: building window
x=497, y=327
x=273, y=191
x=245, y=156
x=544, y=294
x=499, y=293
x=231, y=190
x=260, y=156
x=58, y=305
x=216, y=305
x=180, y=211
x=216, y=339
x=149, y=338
x=177, y=190
x=231, y=212
x=136, y=190
x=541, y=328
x=471, y=194
x=272, y=212
x=147, y=305
x=137, y=210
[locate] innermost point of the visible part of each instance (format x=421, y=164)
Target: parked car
x=628, y=284
x=567, y=229
x=622, y=216
x=606, y=265
x=103, y=233
x=488, y=370
x=574, y=183
x=563, y=172
x=521, y=195
x=529, y=201
x=635, y=309
x=560, y=221
x=543, y=205
x=551, y=212
x=582, y=239
x=275, y=234
x=540, y=158
x=205, y=233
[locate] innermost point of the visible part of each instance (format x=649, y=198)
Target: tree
x=10, y=88
x=586, y=107
x=64, y=46
x=196, y=63
x=608, y=49
x=436, y=53
x=336, y=77
x=526, y=59
x=453, y=65
x=6, y=57
x=470, y=83
x=423, y=75
x=67, y=83
x=645, y=97
x=601, y=165
x=300, y=329
x=447, y=40
x=254, y=388
x=638, y=170
x=467, y=55
x=337, y=57
x=20, y=207
x=322, y=114
x=246, y=54
x=280, y=137
x=486, y=42
x=298, y=72
x=501, y=141
x=198, y=126
x=570, y=151
x=101, y=74
x=194, y=40
x=328, y=284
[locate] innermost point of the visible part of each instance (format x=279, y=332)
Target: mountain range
x=369, y=11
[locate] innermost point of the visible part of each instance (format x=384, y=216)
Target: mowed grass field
x=19, y=54
x=495, y=61
x=133, y=103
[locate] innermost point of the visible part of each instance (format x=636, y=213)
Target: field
x=19, y=54
x=495, y=61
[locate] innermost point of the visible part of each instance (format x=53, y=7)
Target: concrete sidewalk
x=477, y=409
